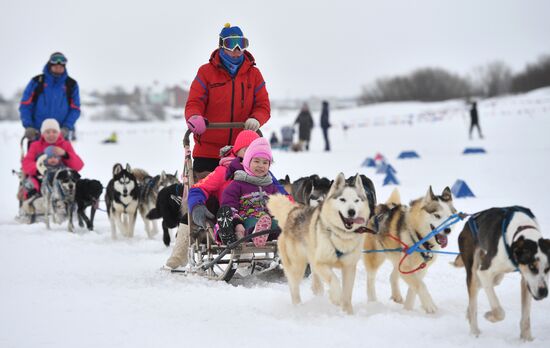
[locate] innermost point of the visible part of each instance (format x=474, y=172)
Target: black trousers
x=327, y=142
x=476, y=124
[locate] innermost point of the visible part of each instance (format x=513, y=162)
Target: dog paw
x=475, y=332
x=348, y=308
x=526, y=336
x=397, y=298
x=495, y=315
x=430, y=308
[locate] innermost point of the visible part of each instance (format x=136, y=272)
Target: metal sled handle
x=217, y=125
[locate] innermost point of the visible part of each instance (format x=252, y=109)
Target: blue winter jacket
x=52, y=102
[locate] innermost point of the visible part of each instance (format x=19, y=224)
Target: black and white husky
x=58, y=189
x=148, y=197
x=498, y=241
x=122, y=199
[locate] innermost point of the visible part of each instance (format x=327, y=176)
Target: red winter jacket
x=38, y=147
x=220, y=98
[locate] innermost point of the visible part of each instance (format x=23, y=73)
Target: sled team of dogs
x=330, y=234
x=328, y=226
x=132, y=190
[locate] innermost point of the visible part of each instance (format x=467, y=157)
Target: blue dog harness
x=508, y=215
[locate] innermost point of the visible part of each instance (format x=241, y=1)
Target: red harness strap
x=404, y=251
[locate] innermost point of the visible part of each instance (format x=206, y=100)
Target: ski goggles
x=232, y=42
x=58, y=59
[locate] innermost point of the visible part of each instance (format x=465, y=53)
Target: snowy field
x=85, y=290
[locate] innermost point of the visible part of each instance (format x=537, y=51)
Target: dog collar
x=364, y=229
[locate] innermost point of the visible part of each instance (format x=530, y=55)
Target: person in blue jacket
x=52, y=94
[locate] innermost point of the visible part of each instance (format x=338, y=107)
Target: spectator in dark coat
x=325, y=124
x=305, y=124
x=474, y=121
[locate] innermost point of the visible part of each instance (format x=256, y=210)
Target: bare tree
x=535, y=76
x=495, y=78
x=427, y=84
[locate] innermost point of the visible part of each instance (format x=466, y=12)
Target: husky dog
x=498, y=241
x=58, y=189
x=310, y=190
x=122, y=198
x=408, y=224
x=148, y=197
x=327, y=236
x=87, y=195
x=169, y=207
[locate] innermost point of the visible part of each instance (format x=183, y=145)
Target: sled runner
x=213, y=259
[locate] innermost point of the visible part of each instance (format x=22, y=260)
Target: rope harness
x=508, y=215
x=408, y=250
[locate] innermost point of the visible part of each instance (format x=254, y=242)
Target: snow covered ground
x=84, y=290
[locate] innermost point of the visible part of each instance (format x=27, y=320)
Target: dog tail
x=458, y=262
x=153, y=214
x=280, y=206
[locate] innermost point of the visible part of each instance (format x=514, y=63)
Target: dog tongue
x=359, y=220
x=442, y=240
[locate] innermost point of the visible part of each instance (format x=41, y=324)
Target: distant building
x=177, y=97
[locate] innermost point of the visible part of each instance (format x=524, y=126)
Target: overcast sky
x=303, y=48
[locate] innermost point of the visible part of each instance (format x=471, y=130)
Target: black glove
x=65, y=131
x=31, y=133
x=200, y=214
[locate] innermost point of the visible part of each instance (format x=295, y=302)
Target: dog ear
x=163, y=176
x=395, y=198
x=308, y=189
x=338, y=184
x=544, y=245
x=430, y=195
x=359, y=185
x=128, y=168
x=76, y=176
x=287, y=179
x=176, y=174
x=117, y=168
x=446, y=195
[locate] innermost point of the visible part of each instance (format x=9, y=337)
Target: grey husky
x=58, y=189
x=150, y=188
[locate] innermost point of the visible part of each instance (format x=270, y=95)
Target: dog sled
x=32, y=209
x=219, y=261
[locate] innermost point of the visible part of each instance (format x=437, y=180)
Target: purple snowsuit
x=246, y=199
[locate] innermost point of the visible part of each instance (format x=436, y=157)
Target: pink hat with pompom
x=258, y=148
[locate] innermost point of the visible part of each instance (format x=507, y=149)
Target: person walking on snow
x=325, y=124
x=52, y=94
x=229, y=88
x=305, y=124
x=474, y=121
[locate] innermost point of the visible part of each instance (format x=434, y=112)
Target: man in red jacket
x=51, y=140
x=229, y=88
